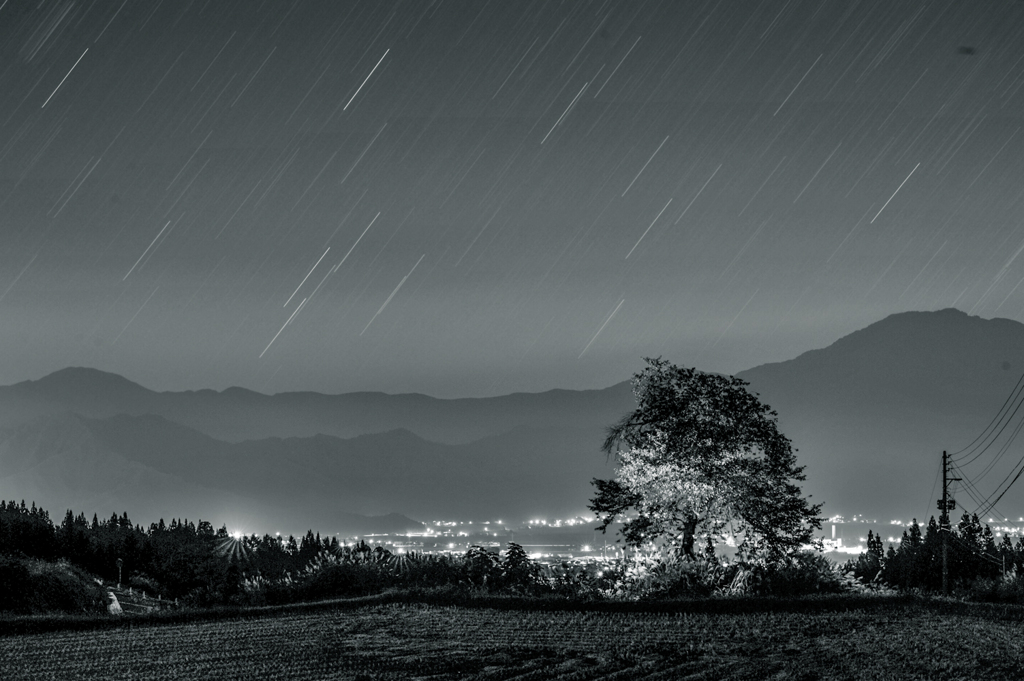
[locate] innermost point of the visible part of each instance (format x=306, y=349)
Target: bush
x=349, y=573
x=519, y=574
x=418, y=569
x=575, y=580
x=483, y=568
x=512, y=573
x=866, y=567
x=145, y=583
x=652, y=575
x=259, y=591
x=62, y=587
x=15, y=584
x=804, y=573
x=1008, y=588
x=336, y=581
x=206, y=596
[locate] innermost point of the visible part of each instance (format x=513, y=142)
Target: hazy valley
x=870, y=415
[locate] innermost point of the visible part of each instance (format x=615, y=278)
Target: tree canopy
x=700, y=454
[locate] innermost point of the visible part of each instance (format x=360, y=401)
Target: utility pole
x=946, y=504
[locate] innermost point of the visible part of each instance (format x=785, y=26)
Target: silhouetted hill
x=367, y=453
x=237, y=414
x=65, y=461
x=521, y=473
x=870, y=415
x=872, y=412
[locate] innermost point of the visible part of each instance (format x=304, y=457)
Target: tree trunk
x=689, y=531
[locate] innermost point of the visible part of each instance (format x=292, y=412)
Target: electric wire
x=1005, y=422
x=997, y=427
x=996, y=501
x=985, y=504
x=1002, y=488
x=988, y=438
x=1017, y=389
x=973, y=549
x=976, y=496
x=972, y=492
x=1002, y=450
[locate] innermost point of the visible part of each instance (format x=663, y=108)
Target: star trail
x=722, y=183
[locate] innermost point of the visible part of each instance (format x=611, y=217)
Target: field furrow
x=401, y=641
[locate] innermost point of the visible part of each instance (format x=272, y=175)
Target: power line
x=1012, y=397
x=992, y=437
x=991, y=505
x=1002, y=450
x=988, y=437
x=992, y=441
x=972, y=491
x=976, y=495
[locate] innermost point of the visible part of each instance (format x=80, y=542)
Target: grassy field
x=835, y=638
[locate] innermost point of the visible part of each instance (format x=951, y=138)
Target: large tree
x=700, y=454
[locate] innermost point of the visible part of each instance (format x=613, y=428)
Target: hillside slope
x=237, y=414
x=872, y=413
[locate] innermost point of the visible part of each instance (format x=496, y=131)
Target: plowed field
x=416, y=641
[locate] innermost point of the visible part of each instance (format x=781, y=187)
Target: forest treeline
x=42, y=565
x=198, y=565
x=173, y=561
x=979, y=563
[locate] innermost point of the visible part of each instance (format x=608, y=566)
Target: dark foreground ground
x=837, y=638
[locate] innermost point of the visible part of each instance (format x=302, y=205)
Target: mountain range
x=870, y=415
x=356, y=463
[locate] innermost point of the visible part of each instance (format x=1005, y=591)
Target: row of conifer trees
x=171, y=560
x=974, y=555
x=185, y=558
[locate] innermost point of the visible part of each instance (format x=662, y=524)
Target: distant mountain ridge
x=421, y=478
x=870, y=415
x=237, y=414
x=512, y=456
x=65, y=461
x=947, y=359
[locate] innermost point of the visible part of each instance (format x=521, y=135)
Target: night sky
x=475, y=198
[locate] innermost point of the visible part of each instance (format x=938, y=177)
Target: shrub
x=206, y=596
x=29, y=585
x=866, y=567
x=15, y=584
x=1008, y=588
x=574, y=580
x=804, y=573
x=483, y=568
x=519, y=574
x=145, y=583
x=260, y=591
x=653, y=575
x=341, y=579
x=426, y=569
x=1011, y=587
x=63, y=587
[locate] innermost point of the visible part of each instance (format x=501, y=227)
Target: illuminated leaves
x=700, y=452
